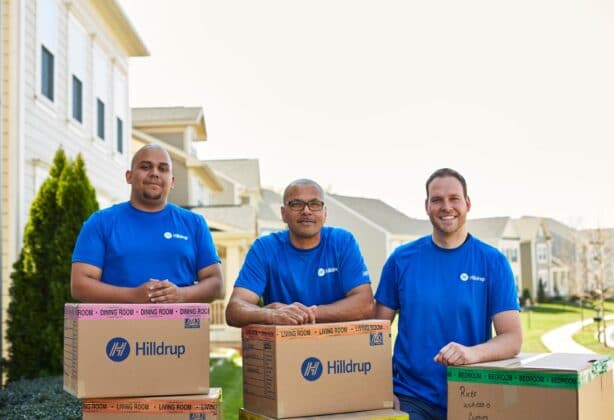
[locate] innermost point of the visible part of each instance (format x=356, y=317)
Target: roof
x=268, y=208
x=489, y=229
x=528, y=227
x=114, y=16
x=153, y=117
x=384, y=215
x=244, y=171
x=229, y=218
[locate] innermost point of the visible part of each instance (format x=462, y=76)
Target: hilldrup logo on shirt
x=323, y=271
x=169, y=235
x=467, y=277
x=118, y=349
x=312, y=368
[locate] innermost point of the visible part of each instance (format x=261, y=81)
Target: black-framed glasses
x=299, y=205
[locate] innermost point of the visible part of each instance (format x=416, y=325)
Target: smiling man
x=449, y=289
x=146, y=250
x=307, y=273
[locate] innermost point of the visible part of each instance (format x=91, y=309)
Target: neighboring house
x=501, y=233
x=535, y=255
x=566, y=267
x=178, y=129
x=378, y=227
x=599, y=246
x=211, y=192
x=65, y=83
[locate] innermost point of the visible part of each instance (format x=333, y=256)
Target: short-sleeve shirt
x=279, y=272
x=442, y=295
x=131, y=246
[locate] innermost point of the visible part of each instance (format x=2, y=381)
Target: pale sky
x=369, y=97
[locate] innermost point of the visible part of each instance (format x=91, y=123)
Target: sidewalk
x=559, y=340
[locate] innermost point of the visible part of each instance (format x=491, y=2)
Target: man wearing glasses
x=305, y=274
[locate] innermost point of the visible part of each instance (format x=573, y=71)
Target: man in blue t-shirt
x=449, y=288
x=146, y=250
x=307, y=273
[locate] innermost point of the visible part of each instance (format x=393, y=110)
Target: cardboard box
x=307, y=370
x=560, y=386
x=387, y=414
x=182, y=407
x=121, y=350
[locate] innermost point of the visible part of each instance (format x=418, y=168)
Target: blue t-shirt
x=131, y=246
x=442, y=295
x=279, y=272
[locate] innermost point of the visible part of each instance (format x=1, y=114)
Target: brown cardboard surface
x=386, y=414
x=291, y=371
x=136, y=350
x=545, y=386
x=180, y=407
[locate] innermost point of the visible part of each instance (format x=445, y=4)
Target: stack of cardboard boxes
x=140, y=361
x=318, y=370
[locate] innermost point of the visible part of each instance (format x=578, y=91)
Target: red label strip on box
x=135, y=406
x=269, y=333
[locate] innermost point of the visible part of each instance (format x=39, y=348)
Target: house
x=535, y=255
x=501, y=233
x=378, y=227
x=566, y=265
x=64, y=68
x=597, y=258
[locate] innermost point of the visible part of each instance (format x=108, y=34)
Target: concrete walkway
x=560, y=339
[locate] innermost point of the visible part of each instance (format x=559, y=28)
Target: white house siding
x=34, y=127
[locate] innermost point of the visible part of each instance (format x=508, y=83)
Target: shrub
x=41, y=398
x=41, y=277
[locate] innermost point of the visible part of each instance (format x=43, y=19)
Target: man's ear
x=468, y=201
x=283, y=214
x=128, y=176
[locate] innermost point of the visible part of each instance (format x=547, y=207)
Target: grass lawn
x=548, y=316
x=227, y=374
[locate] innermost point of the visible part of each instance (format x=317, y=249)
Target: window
x=120, y=135
x=101, y=94
x=77, y=99
x=47, y=73
x=47, y=40
x=120, y=106
x=100, y=119
x=77, y=65
x=542, y=256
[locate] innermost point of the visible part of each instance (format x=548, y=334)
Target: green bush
x=41, y=276
x=41, y=398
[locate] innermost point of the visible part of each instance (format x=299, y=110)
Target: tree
x=41, y=275
x=541, y=293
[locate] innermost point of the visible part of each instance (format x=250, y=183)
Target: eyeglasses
x=299, y=205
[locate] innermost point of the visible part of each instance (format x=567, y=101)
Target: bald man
x=146, y=250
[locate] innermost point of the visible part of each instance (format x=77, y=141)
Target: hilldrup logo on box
x=118, y=349
x=312, y=368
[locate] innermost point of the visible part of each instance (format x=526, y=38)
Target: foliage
x=44, y=397
x=228, y=375
x=41, y=276
x=41, y=398
x=541, y=293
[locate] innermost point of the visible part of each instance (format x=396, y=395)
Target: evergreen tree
x=41, y=276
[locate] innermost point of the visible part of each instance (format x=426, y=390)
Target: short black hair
x=444, y=172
